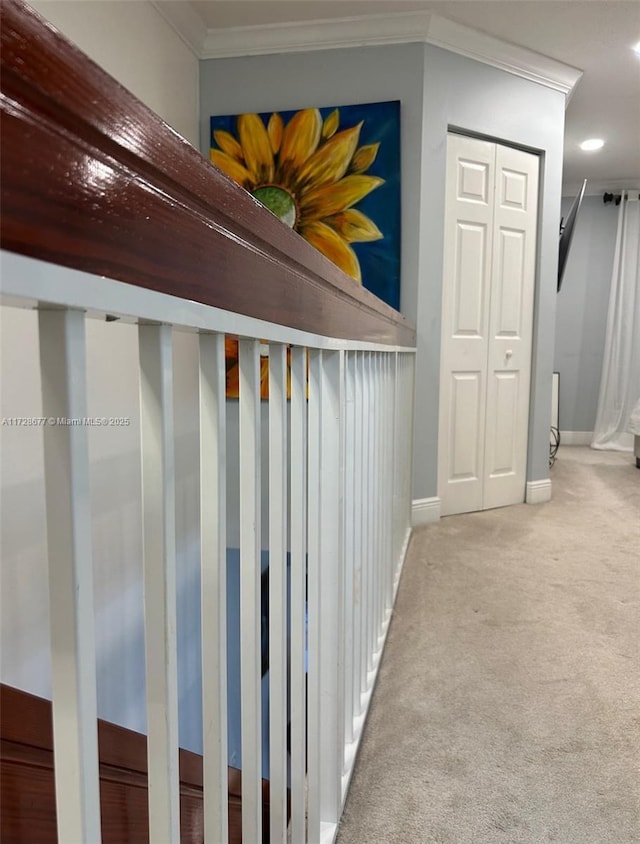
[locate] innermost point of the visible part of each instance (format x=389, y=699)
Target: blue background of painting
x=379, y=260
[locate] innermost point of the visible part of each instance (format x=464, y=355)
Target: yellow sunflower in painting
x=308, y=174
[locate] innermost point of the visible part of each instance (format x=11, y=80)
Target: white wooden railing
x=339, y=466
x=145, y=231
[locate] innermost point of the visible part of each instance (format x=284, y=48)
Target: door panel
x=465, y=324
x=465, y=405
x=511, y=326
x=465, y=447
x=503, y=456
x=470, y=280
x=514, y=186
x=510, y=269
x=474, y=177
x=487, y=300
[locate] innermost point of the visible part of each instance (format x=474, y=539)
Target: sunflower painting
x=332, y=175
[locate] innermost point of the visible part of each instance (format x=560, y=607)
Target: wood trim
x=27, y=790
x=371, y=30
x=92, y=179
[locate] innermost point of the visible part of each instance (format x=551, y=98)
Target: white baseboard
x=425, y=511
x=576, y=437
x=538, y=491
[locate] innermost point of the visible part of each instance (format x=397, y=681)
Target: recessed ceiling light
x=592, y=144
x=636, y=49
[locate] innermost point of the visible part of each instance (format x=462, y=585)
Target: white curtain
x=620, y=383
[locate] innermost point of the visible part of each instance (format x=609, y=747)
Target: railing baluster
x=325, y=537
x=73, y=658
x=314, y=712
x=278, y=593
x=393, y=436
x=367, y=522
x=410, y=374
x=397, y=466
x=298, y=444
x=382, y=493
x=411, y=379
x=406, y=385
x=375, y=514
x=404, y=494
x=250, y=593
x=375, y=494
x=358, y=544
x=159, y=552
x=376, y=507
x=383, y=513
x=349, y=552
x=331, y=561
x=213, y=531
x=393, y=398
x=384, y=456
x=388, y=489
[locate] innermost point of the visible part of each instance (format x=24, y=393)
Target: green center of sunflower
x=279, y=202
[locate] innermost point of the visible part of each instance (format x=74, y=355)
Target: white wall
x=135, y=44
x=581, y=318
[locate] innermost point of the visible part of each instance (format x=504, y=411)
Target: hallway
x=506, y=709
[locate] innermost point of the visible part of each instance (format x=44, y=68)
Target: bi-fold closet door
x=487, y=323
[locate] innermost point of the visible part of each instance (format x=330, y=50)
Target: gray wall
x=481, y=99
x=438, y=90
x=581, y=316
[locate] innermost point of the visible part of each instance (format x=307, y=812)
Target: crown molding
x=596, y=187
x=501, y=54
x=329, y=34
x=185, y=21
x=400, y=28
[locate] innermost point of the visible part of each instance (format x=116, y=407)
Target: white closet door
x=510, y=327
x=465, y=324
x=487, y=317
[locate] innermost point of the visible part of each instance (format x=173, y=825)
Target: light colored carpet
x=506, y=709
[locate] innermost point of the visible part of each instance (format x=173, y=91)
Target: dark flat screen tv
x=566, y=233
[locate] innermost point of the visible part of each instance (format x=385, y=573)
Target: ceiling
x=595, y=36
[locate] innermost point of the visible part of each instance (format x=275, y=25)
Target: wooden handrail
x=94, y=180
